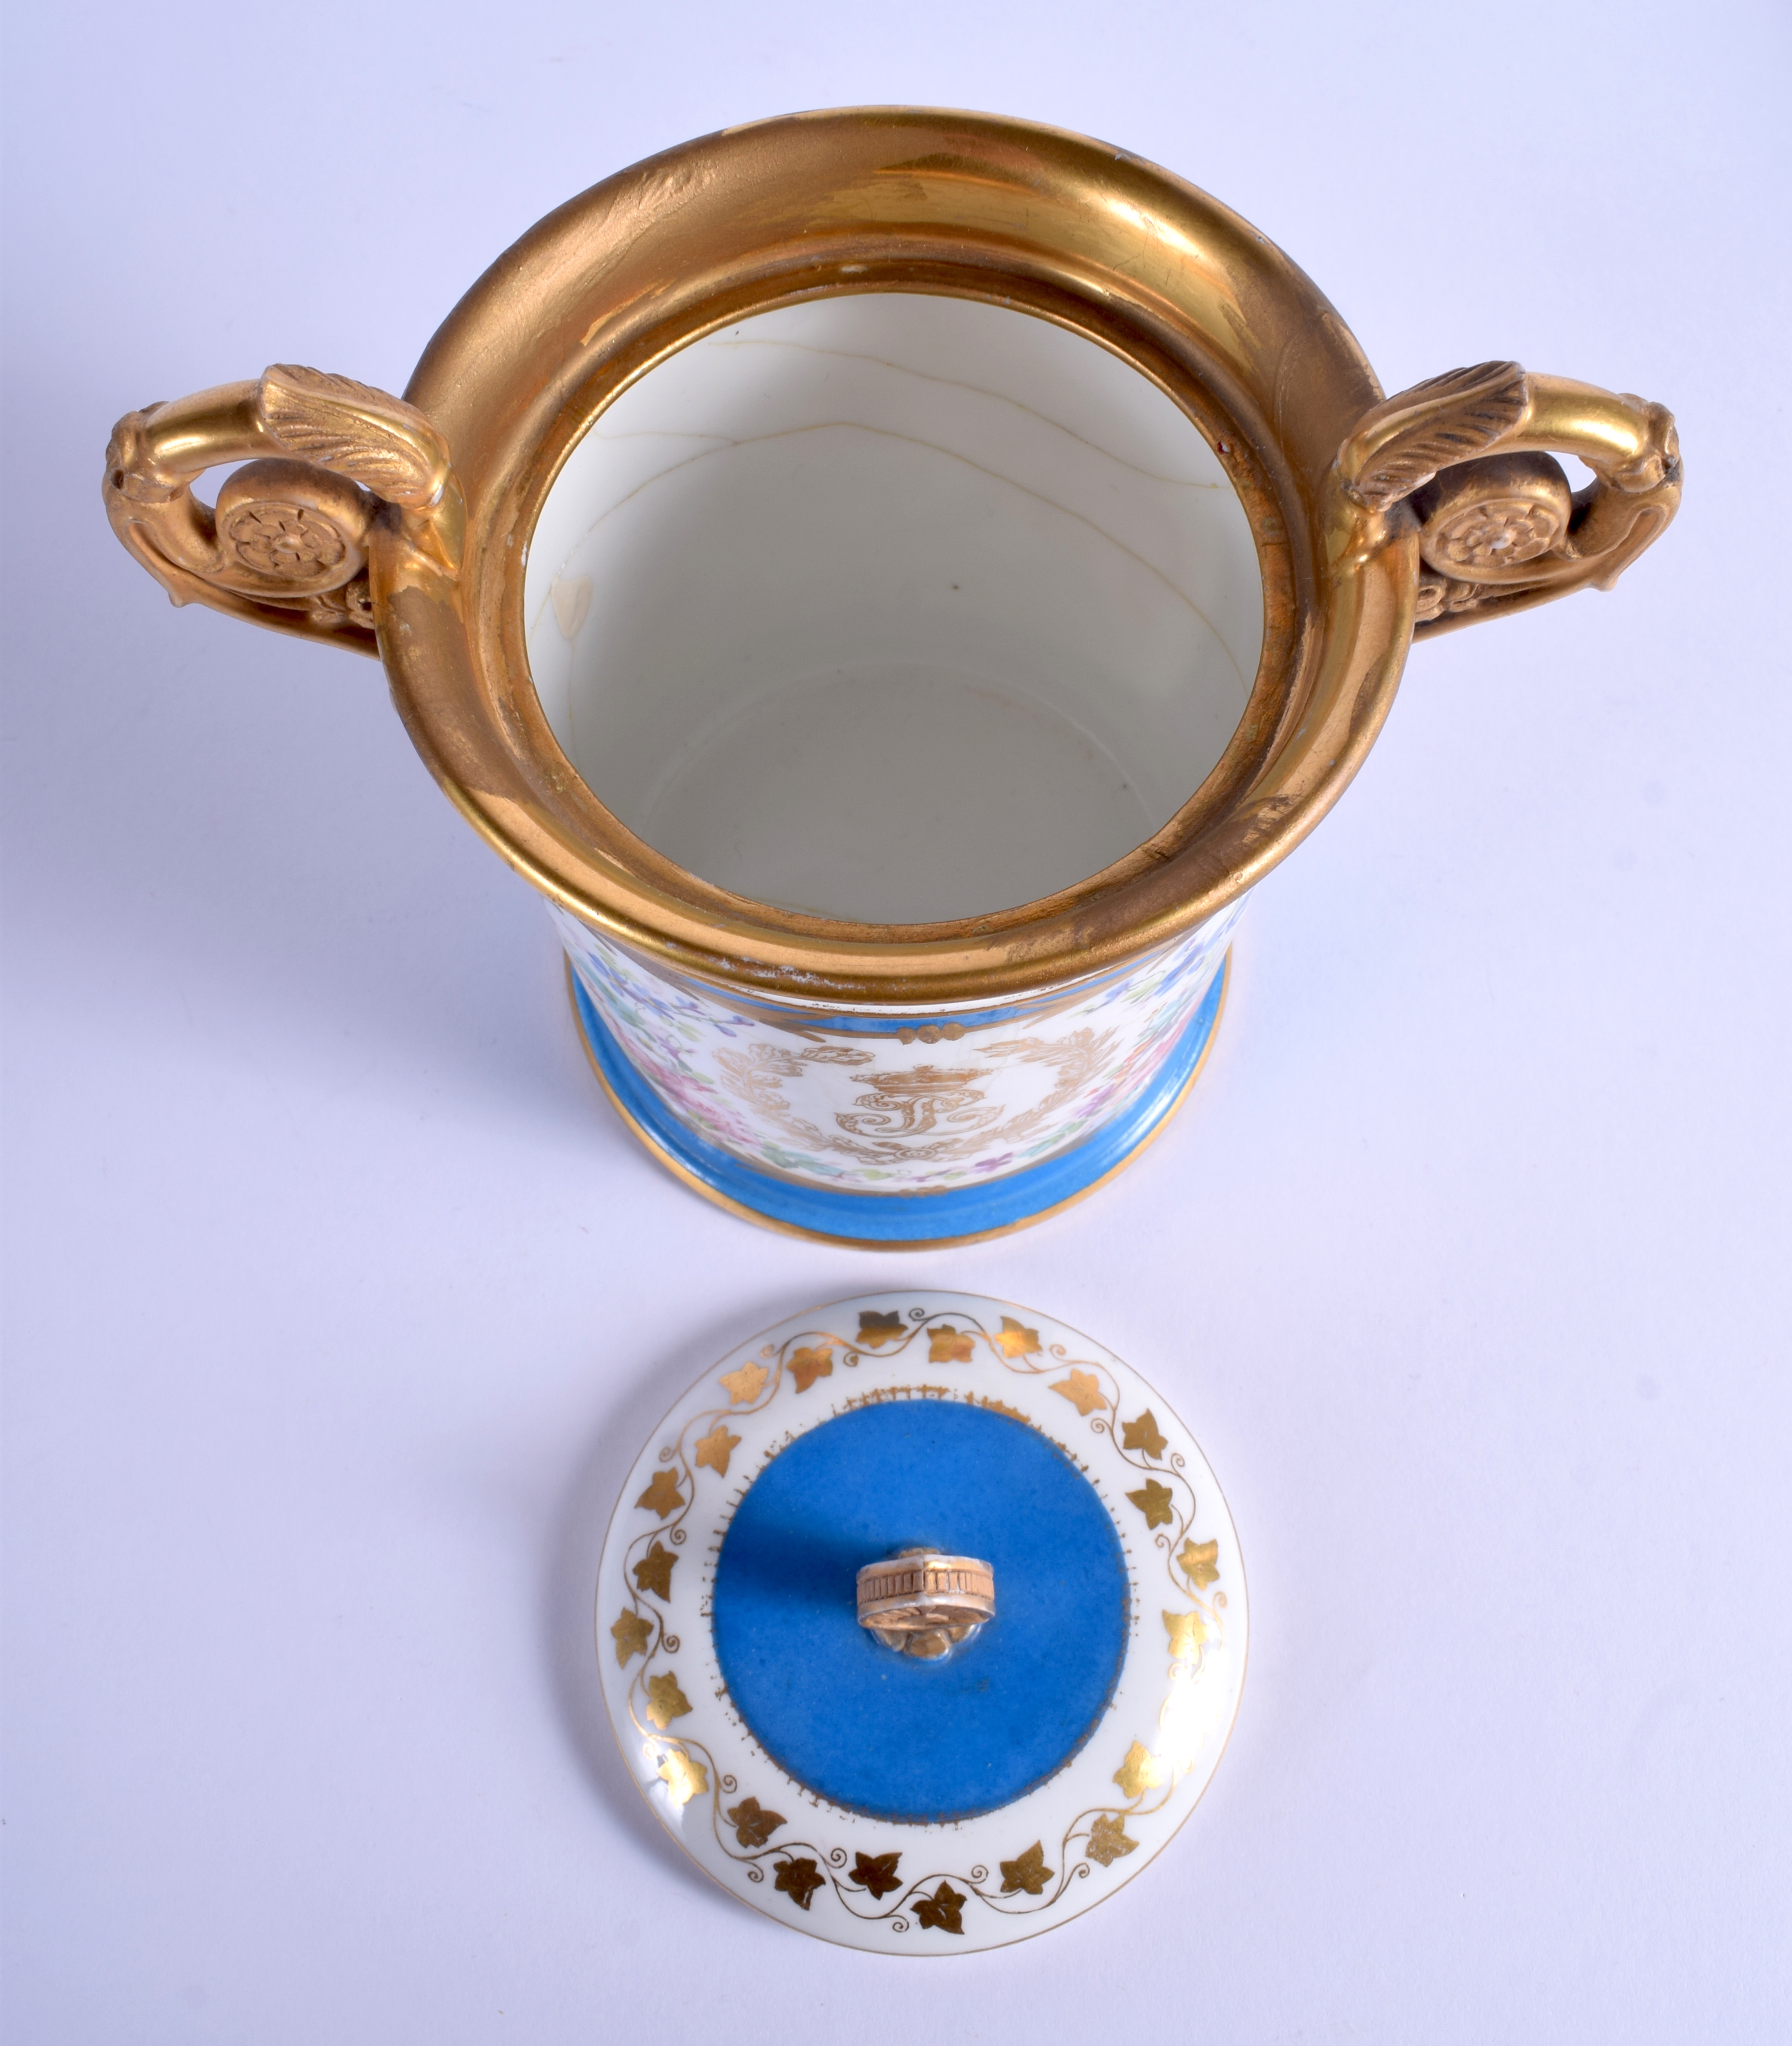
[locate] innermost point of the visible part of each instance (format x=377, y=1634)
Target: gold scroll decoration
x=286, y=545
x=1468, y=455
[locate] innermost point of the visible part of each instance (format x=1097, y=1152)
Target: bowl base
x=899, y=1222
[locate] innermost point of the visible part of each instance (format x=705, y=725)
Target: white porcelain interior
x=893, y=607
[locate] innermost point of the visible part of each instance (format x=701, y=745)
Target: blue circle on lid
x=888, y=1734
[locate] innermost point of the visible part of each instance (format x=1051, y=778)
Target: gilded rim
x=1032, y=217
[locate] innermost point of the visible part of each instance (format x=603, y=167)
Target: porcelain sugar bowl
x=893, y=581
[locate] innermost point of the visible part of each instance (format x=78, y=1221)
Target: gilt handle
x=1472, y=454
x=286, y=546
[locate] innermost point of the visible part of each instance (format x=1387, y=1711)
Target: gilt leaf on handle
x=378, y=441
x=1403, y=441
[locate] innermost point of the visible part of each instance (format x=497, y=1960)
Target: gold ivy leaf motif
x=683, y=1778
x=631, y=1634
x=1108, y=1838
x=1196, y=1560
x=1156, y=1502
x=1141, y=1771
x=1143, y=1434
x=1014, y=1340
x=662, y=1496
x=874, y=1330
x=653, y=1572
x=876, y=1873
x=666, y=1702
x=714, y=1449
x=946, y=1344
x=744, y=1386
x=807, y=1365
x=1186, y=1630
x=1028, y=1873
x=799, y=1880
x=752, y=1826
x=943, y=1910
x=1084, y=1391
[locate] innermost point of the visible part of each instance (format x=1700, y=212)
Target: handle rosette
x=286, y=545
x=1472, y=454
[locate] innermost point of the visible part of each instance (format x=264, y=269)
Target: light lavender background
x=338, y=1303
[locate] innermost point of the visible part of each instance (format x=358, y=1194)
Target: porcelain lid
x=925, y=1793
